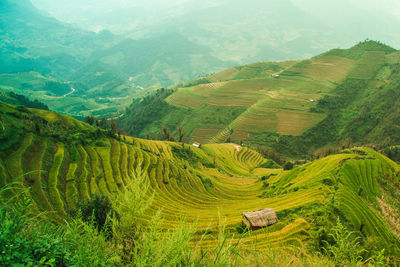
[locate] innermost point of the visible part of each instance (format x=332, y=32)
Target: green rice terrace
x=64, y=163
x=259, y=102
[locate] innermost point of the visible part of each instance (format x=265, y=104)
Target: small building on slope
x=259, y=219
x=198, y=145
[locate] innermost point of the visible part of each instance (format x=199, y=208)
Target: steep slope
x=293, y=100
x=205, y=185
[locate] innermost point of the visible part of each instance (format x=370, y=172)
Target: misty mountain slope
x=102, y=69
x=257, y=30
x=163, y=60
x=31, y=40
x=246, y=31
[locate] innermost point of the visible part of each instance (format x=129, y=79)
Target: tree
x=104, y=123
x=288, y=166
x=97, y=209
x=91, y=120
x=2, y=124
x=181, y=133
x=114, y=126
x=165, y=134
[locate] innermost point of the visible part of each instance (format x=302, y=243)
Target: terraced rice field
x=77, y=172
x=273, y=104
x=213, y=191
x=201, y=135
x=325, y=67
x=278, y=104
x=368, y=65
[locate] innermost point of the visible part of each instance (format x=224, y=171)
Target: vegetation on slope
x=342, y=96
x=20, y=100
x=209, y=187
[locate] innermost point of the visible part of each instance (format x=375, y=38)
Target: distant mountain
x=161, y=60
x=102, y=69
x=33, y=41
x=295, y=107
x=243, y=31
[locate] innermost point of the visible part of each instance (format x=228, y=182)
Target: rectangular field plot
x=368, y=65
x=203, y=135
x=326, y=67
x=183, y=99
x=240, y=135
x=294, y=123
x=363, y=71
x=256, y=124
x=288, y=122
x=393, y=58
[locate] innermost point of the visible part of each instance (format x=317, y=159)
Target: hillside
x=208, y=186
x=20, y=100
x=305, y=103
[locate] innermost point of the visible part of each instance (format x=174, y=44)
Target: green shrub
x=288, y=166
x=346, y=248
x=27, y=239
x=96, y=210
x=242, y=228
x=270, y=164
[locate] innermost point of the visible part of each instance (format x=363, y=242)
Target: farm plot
x=203, y=135
x=325, y=67
x=368, y=65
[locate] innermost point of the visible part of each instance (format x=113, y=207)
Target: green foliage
x=393, y=152
x=186, y=153
x=144, y=111
x=357, y=51
x=17, y=99
x=144, y=242
x=202, y=80
x=57, y=89
x=96, y=211
x=347, y=248
x=27, y=240
x=288, y=166
x=270, y=164
x=206, y=181
x=291, y=73
x=314, y=193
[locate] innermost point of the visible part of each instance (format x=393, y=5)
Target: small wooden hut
x=198, y=145
x=260, y=218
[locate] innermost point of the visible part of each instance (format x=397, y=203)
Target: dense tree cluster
x=144, y=111
x=17, y=99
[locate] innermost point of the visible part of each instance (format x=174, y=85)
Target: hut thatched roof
x=260, y=218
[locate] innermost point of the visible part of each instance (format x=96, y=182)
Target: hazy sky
x=260, y=22
x=104, y=13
